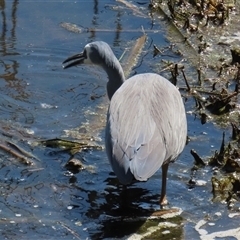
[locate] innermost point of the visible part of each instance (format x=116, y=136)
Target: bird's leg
x=163, y=199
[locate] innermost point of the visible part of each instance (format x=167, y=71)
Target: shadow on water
x=122, y=214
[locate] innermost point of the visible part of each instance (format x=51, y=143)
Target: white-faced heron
x=146, y=121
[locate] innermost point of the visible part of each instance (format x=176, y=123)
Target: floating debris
x=71, y=27
x=133, y=7
x=232, y=215
x=71, y=146
x=74, y=165
x=220, y=104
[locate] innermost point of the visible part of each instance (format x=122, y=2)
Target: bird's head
x=97, y=53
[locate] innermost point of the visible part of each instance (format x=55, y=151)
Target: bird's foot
x=163, y=202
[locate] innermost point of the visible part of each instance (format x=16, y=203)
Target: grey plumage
x=146, y=121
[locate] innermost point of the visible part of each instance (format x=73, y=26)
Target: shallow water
x=40, y=100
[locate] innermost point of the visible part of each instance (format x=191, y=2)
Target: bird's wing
x=136, y=146
x=139, y=129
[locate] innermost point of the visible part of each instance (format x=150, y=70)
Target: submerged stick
x=21, y=150
x=71, y=27
x=16, y=152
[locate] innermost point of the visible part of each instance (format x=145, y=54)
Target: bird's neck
x=116, y=79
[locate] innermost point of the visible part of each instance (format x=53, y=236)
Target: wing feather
x=146, y=126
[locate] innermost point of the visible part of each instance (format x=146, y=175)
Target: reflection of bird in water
x=146, y=121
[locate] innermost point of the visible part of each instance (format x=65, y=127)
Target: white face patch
x=87, y=60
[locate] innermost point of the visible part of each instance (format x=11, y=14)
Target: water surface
x=40, y=100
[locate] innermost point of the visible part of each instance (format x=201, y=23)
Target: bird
x=146, y=125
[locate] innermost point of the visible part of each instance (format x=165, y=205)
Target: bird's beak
x=77, y=59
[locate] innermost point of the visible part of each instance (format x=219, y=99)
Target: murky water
x=40, y=100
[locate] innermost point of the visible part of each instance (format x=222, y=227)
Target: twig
x=184, y=76
x=70, y=230
x=24, y=159
x=133, y=7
